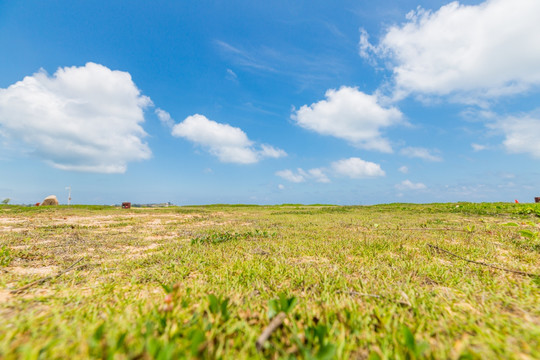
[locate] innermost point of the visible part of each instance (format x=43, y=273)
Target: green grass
x=204, y=282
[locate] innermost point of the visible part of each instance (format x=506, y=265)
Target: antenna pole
x=69, y=194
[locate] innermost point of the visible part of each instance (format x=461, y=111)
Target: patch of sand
x=5, y=295
x=42, y=271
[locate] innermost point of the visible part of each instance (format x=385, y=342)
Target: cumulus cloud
x=409, y=185
x=521, y=133
x=471, y=51
x=357, y=168
x=352, y=115
x=229, y=144
x=84, y=118
x=421, y=153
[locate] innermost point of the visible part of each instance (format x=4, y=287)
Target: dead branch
x=356, y=293
x=41, y=281
x=274, y=324
x=482, y=263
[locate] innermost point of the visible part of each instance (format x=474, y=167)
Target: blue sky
x=343, y=102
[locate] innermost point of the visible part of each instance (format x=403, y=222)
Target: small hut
x=50, y=200
x=126, y=205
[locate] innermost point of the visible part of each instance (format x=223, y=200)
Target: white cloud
x=271, y=152
x=317, y=174
x=357, y=168
x=522, y=134
x=81, y=118
x=164, y=117
x=408, y=185
x=229, y=144
x=231, y=75
x=403, y=169
x=478, y=147
x=352, y=115
x=281, y=187
x=477, y=51
x=291, y=176
x=418, y=152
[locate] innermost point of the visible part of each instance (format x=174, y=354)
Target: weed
x=5, y=256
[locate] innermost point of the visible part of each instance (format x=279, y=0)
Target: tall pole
x=69, y=194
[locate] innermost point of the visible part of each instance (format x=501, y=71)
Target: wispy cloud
x=421, y=153
x=244, y=58
x=303, y=68
x=403, y=169
x=409, y=185
x=231, y=75
x=478, y=147
x=164, y=117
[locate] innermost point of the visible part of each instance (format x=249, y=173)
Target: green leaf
x=197, y=338
x=320, y=332
x=273, y=308
x=410, y=343
x=224, y=310
x=326, y=352
x=99, y=332
x=168, y=288
x=213, y=303
x=291, y=304
x=120, y=340
x=529, y=234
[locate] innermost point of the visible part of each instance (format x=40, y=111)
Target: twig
x=356, y=293
x=41, y=281
x=274, y=324
x=482, y=263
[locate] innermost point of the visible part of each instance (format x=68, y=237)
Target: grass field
x=367, y=282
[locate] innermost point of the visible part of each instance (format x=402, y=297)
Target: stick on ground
x=41, y=281
x=274, y=324
x=482, y=263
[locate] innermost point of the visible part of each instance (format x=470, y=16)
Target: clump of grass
x=225, y=236
x=5, y=256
